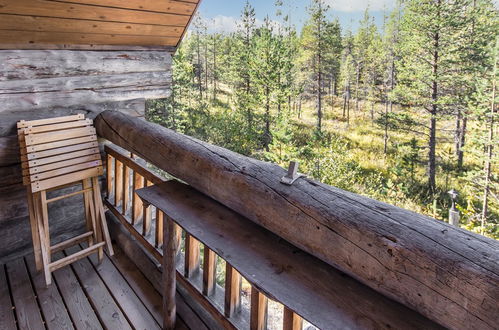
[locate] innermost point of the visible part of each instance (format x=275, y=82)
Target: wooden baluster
x=169, y=274
x=292, y=321
x=259, y=302
x=109, y=175
x=191, y=256
x=138, y=182
x=177, y=237
x=118, y=179
x=158, y=241
x=209, y=271
x=146, y=219
x=126, y=188
x=232, y=291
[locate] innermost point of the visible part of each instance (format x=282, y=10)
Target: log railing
x=447, y=274
x=196, y=264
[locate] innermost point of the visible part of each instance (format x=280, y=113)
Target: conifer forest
x=403, y=111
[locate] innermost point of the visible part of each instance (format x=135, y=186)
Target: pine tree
x=429, y=47
x=315, y=46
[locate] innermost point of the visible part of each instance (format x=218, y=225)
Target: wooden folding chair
x=57, y=153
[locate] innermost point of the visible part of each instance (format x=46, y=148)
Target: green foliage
x=270, y=92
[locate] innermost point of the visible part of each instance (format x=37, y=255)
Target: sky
x=222, y=15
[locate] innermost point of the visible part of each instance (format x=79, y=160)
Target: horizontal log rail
x=126, y=174
x=447, y=274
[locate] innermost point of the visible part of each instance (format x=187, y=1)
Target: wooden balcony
x=86, y=295
x=244, y=241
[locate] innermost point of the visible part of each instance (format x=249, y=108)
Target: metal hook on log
x=292, y=175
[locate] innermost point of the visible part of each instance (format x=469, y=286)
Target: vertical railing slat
x=258, y=315
x=109, y=175
x=158, y=239
x=209, y=271
x=232, y=291
x=138, y=183
x=118, y=182
x=191, y=256
x=146, y=220
x=126, y=189
x=291, y=320
x=169, y=275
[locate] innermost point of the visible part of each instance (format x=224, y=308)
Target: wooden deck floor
x=85, y=295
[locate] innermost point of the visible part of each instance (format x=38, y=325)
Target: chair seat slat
x=67, y=178
x=65, y=170
x=57, y=127
x=34, y=139
x=31, y=123
x=58, y=151
x=54, y=166
x=58, y=158
x=59, y=144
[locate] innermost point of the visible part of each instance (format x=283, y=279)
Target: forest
x=402, y=112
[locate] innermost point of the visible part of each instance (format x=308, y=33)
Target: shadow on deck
x=84, y=295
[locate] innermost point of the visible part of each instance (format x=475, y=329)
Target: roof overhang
x=100, y=24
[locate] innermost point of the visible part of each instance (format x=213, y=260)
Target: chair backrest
x=58, y=151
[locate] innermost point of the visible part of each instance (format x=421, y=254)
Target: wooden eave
x=100, y=24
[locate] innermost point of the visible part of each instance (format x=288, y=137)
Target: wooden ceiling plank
x=84, y=38
x=77, y=11
x=52, y=24
x=160, y=6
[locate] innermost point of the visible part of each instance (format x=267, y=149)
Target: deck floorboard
x=84, y=295
x=7, y=318
x=25, y=302
x=51, y=303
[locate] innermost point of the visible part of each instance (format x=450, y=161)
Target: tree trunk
x=490, y=148
x=432, y=141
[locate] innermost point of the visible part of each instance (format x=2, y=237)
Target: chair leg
x=42, y=221
x=102, y=217
x=90, y=212
x=34, y=230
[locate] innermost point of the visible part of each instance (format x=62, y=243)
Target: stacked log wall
x=37, y=84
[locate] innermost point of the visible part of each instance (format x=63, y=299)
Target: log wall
x=37, y=84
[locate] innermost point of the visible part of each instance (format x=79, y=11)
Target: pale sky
x=222, y=15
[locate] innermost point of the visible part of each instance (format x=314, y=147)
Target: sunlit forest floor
x=346, y=154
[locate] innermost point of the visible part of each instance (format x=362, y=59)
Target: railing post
x=138, y=182
x=158, y=240
x=232, y=291
x=109, y=175
x=292, y=321
x=169, y=274
x=191, y=255
x=118, y=182
x=258, y=317
x=209, y=271
x=126, y=188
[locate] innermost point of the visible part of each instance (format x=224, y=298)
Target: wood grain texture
x=310, y=287
x=108, y=311
x=51, y=303
x=411, y=258
x=33, y=101
x=37, y=64
x=9, y=149
x=189, y=310
x=80, y=11
x=7, y=319
x=30, y=37
x=93, y=22
x=136, y=312
x=27, y=312
x=53, y=24
x=164, y=6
